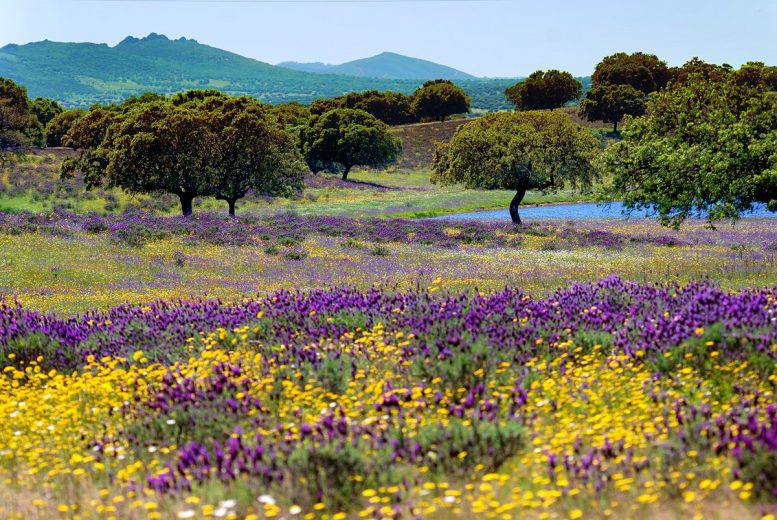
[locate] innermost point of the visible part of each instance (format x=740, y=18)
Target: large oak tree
x=521, y=151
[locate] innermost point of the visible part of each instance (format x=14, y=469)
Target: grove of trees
x=435, y=100
x=197, y=144
x=707, y=146
x=520, y=151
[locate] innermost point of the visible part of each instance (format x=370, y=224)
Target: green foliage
x=440, y=99
x=349, y=138
x=611, y=103
x=60, y=125
x=620, y=86
x=393, y=108
x=457, y=448
x=254, y=152
x=644, y=72
x=544, y=90
x=45, y=110
x=705, y=146
x=15, y=115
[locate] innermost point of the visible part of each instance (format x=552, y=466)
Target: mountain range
x=82, y=74
x=387, y=65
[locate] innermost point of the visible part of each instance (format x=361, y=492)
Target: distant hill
x=387, y=65
x=81, y=74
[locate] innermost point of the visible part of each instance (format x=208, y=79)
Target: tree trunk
x=345, y=172
x=615, y=127
x=519, y=194
x=186, y=204
x=231, y=203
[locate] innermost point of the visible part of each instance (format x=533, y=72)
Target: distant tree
x=15, y=116
x=544, y=90
x=157, y=147
x=644, y=72
x=521, y=151
x=253, y=153
x=610, y=103
x=440, y=99
x=88, y=131
x=696, y=67
x=319, y=106
x=706, y=145
x=610, y=96
x=45, y=110
x=754, y=74
x=86, y=134
x=292, y=116
x=393, y=108
x=349, y=138
x=60, y=125
x=42, y=111
x=181, y=98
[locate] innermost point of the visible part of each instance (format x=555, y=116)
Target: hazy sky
x=482, y=37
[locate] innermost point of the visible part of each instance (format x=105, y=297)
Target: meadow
x=320, y=366
x=333, y=356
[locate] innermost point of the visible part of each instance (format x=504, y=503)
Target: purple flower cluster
x=633, y=317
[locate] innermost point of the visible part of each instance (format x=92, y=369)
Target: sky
x=494, y=38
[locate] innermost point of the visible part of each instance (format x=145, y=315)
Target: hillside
x=420, y=140
x=81, y=74
x=387, y=65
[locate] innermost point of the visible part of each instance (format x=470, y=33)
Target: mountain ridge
x=84, y=73
x=386, y=65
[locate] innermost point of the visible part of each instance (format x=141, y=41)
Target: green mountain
x=387, y=65
x=81, y=74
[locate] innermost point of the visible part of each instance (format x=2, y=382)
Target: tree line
x=700, y=139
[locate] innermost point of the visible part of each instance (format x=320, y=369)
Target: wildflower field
x=330, y=367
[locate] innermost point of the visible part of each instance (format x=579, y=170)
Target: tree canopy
x=706, y=147
x=620, y=86
x=611, y=103
x=521, y=151
x=15, y=114
x=544, y=90
x=349, y=138
x=439, y=99
x=393, y=108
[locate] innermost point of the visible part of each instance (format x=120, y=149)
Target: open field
x=547, y=399
x=35, y=185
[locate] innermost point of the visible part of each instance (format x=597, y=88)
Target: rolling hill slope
x=81, y=74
